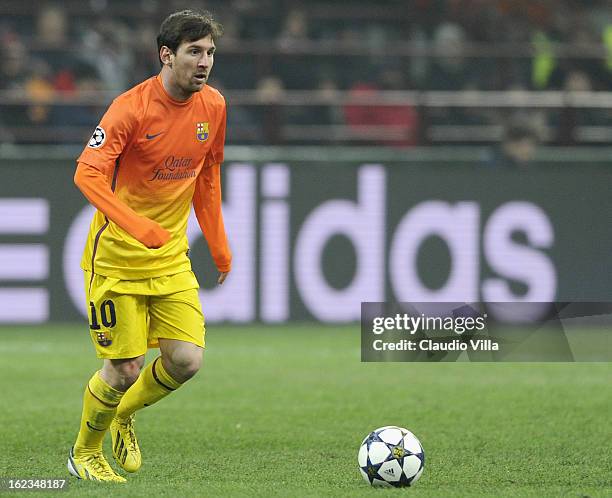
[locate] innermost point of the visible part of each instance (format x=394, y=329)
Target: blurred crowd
x=56, y=54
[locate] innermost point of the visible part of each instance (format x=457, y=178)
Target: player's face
x=192, y=64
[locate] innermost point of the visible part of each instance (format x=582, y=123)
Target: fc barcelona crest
x=103, y=339
x=202, y=131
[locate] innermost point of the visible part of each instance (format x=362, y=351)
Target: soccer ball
x=391, y=456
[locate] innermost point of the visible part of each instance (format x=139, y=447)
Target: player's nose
x=205, y=61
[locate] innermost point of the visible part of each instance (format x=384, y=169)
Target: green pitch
x=282, y=412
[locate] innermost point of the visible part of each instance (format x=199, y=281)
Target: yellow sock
x=100, y=403
x=153, y=384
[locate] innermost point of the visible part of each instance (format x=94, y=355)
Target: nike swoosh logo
x=94, y=428
x=151, y=137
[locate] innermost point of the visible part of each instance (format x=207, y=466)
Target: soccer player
x=157, y=151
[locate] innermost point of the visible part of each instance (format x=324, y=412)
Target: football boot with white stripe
x=92, y=467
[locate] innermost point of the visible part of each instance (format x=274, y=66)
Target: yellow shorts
x=128, y=316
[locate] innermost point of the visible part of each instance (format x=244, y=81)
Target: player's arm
x=207, y=200
x=95, y=175
x=207, y=207
x=92, y=181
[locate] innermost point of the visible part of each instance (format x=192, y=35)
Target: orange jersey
x=148, y=161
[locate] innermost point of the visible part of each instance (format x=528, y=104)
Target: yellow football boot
x=92, y=467
x=124, y=444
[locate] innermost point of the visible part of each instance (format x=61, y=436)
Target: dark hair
x=187, y=25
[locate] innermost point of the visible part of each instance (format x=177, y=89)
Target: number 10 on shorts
x=107, y=315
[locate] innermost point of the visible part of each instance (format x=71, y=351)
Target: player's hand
x=156, y=236
x=222, y=276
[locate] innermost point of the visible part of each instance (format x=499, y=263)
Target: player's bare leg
x=181, y=359
x=122, y=374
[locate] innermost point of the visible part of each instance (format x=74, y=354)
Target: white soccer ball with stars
x=391, y=456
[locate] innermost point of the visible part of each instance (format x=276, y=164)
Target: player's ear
x=166, y=56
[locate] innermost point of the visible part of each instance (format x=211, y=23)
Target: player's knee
x=186, y=365
x=191, y=366
x=128, y=374
x=125, y=372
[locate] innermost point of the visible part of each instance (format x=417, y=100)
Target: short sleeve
x=215, y=154
x=111, y=136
